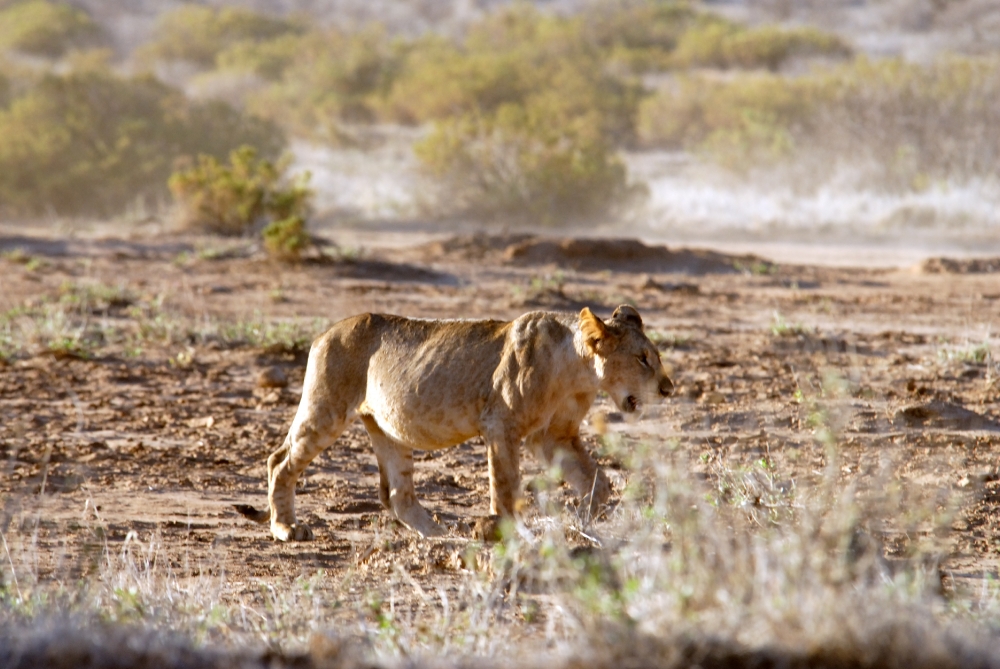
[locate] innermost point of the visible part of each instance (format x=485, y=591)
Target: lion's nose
x=666, y=387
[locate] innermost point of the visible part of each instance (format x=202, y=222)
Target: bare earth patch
x=143, y=418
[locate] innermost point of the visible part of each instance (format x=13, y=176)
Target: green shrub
x=918, y=123
x=286, y=239
x=770, y=46
x=714, y=42
x=508, y=58
x=332, y=78
x=19, y=78
x=439, y=80
x=199, y=34
x=6, y=90
x=703, y=44
x=43, y=28
x=92, y=142
x=655, y=35
x=640, y=35
x=740, y=121
x=268, y=59
x=241, y=196
x=526, y=119
x=526, y=162
x=915, y=124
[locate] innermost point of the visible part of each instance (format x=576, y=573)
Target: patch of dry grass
x=729, y=565
x=744, y=568
x=87, y=319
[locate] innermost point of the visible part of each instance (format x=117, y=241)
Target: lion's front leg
x=568, y=452
x=505, y=474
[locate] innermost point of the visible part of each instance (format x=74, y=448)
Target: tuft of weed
x=257, y=332
x=971, y=354
x=781, y=328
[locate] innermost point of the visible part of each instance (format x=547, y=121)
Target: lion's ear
x=627, y=315
x=595, y=332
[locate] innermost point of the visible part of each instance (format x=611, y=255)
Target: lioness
x=429, y=384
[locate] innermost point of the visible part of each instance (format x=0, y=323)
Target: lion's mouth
x=630, y=404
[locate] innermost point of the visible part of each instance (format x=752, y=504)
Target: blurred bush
x=910, y=124
x=715, y=42
x=6, y=89
x=914, y=124
x=331, y=78
x=42, y=28
x=523, y=163
x=200, y=34
x=526, y=119
x=508, y=58
x=268, y=59
x=242, y=196
x=742, y=120
x=286, y=239
x=637, y=34
x=91, y=142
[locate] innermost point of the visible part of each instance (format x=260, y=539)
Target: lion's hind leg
x=312, y=431
x=395, y=463
x=262, y=516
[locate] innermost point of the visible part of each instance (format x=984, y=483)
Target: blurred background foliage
x=92, y=142
x=43, y=28
x=524, y=112
x=202, y=35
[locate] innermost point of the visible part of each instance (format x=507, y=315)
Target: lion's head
x=628, y=363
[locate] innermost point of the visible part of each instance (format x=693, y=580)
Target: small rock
x=714, y=398
x=272, y=377
x=649, y=284
x=272, y=397
x=204, y=421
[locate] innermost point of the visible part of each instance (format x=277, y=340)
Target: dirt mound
x=943, y=415
x=621, y=255
x=477, y=246
x=584, y=254
x=960, y=266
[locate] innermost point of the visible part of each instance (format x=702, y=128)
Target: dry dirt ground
x=158, y=430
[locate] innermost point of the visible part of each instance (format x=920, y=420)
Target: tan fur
x=429, y=384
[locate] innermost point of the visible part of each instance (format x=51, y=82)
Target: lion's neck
x=588, y=361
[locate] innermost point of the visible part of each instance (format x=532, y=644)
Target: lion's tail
x=252, y=513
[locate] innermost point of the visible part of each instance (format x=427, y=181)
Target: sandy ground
x=161, y=440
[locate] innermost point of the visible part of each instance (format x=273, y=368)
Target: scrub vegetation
x=93, y=142
x=525, y=112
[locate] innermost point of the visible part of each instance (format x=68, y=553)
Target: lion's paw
x=285, y=532
x=417, y=519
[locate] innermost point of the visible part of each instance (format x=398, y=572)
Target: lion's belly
x=427, y=406
x=421, y=424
